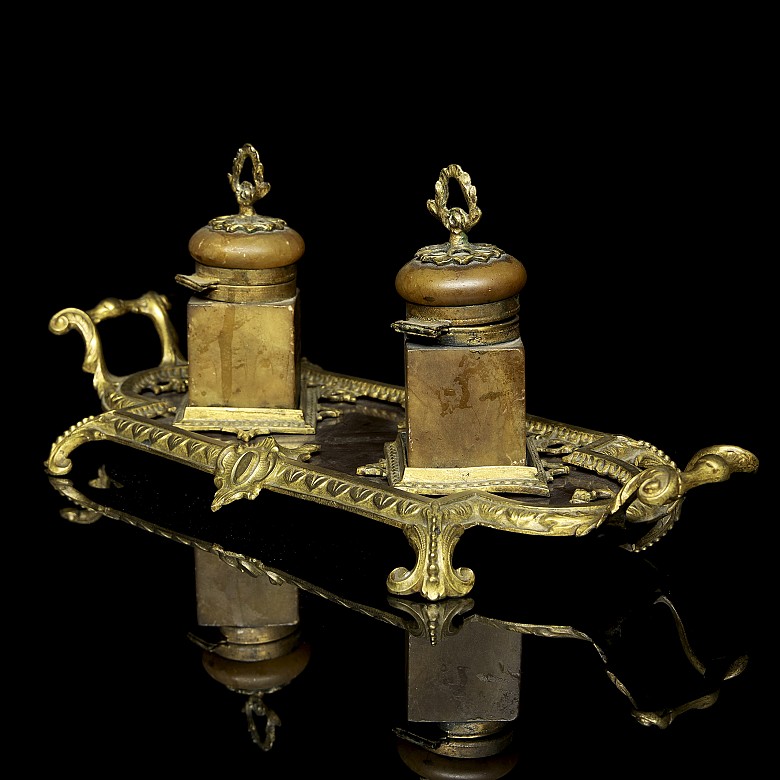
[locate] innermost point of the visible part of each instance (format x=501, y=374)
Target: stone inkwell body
x=464, y=363
x=243, y=320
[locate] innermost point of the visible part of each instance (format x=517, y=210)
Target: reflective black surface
x=627, y=328
x=590, y=627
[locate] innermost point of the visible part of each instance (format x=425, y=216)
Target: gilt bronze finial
x=458, y=221
x=248, y=192
x=455, y=219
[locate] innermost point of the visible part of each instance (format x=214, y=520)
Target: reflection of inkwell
x=259, y=649
x=465, y=712
x=463, y=693
x=464, y=666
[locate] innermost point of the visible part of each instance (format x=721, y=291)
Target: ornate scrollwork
x=433, y=576
x=242, y=469
x=663, y=717
x=109, y=386
x=644, y=486
x=138, y=432
x=434, y=620
x=660, y=485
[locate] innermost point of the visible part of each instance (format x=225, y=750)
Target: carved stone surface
x=243, y=354
x=465, y=406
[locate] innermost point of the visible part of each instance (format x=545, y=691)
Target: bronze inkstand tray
x=452, y=449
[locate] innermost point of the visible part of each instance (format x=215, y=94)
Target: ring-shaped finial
x=248, y=192
x=455, y=219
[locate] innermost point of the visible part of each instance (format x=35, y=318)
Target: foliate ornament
x=246, y=194
x=435, y=620
x=241, y=470
x=433, y=575
x=458, y=221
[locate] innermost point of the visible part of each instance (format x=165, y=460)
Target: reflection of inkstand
x=464, y=668
x=465, y=660
x=464, y=676
x=462, y=696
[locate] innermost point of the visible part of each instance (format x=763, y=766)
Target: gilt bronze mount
x=281, y=427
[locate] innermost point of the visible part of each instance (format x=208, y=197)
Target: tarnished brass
x=243, y=338
x=464, y=363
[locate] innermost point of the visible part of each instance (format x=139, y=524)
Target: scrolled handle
x=661, y=485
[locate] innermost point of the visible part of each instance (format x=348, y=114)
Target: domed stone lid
x=246, y=241
x=459, y=273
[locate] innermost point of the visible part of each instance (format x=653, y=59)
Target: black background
x=630, y=181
